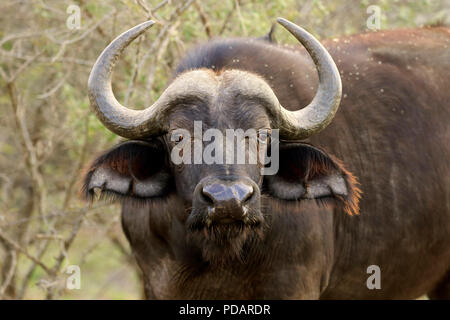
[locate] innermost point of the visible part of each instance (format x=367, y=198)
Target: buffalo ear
x=270, y=36
x=306, y=172
x=130, y=170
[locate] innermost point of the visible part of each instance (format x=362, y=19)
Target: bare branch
x=29, y=148
x=10, y=274
x=55, y=88
x=161, y=50
x=81, y=161
x=176, y=14
x=241, y=18
x=228, y=18
x=151, y=13
x=203, y=18
x=86, y=33
x=28, y=34
x=17, y=247
x=65, y=247
x=24, y=66
x=134, y=74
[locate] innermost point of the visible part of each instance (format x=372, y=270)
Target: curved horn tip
x=140, y=28
x=283, y=21
x=146, y=24
x=288, y=24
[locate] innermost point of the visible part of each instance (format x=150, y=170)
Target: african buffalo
x=311, y=230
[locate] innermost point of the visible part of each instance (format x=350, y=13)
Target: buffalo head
x=222, y=202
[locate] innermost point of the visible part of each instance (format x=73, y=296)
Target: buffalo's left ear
x=306, y=172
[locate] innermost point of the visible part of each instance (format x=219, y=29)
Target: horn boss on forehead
x=152, y=121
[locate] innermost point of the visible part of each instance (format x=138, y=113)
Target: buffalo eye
x=263, y=135
x=177, y=138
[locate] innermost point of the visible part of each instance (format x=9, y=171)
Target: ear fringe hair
x=112, y=197
x=321, y=164
x=109, y=196
x=351, y=201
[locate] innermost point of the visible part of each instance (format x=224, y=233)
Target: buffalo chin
x=223, y=243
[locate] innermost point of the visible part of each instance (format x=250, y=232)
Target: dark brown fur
x=391, y=131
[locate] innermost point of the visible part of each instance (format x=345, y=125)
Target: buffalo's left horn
x=319, y=113
x=128, y=123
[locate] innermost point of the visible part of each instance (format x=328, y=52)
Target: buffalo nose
x=227, y=199
x=218, y=193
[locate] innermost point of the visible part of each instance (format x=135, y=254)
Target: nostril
x=244, y=192
x=207, y=196
x=225, y=194
x=227, y=201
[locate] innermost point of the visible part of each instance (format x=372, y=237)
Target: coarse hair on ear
x=133, y=170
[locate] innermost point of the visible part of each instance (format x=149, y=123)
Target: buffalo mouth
x=227, y=239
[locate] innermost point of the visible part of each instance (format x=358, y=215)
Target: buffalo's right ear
x=131, y=170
